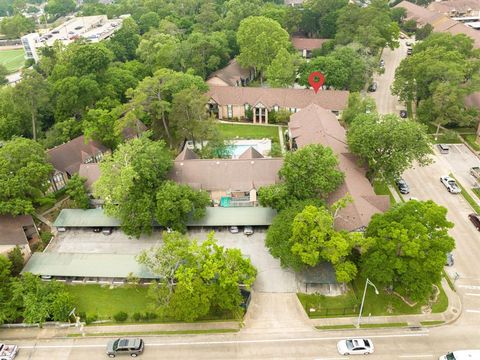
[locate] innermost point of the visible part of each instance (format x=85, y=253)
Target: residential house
x=230, y=182
x=295, y=3
x=439, y=22
x=456, y=8
x=315, y=125
x=68, y=157
x=17, y=231
x=233, y=102
x=231, y=75
x=306, y=45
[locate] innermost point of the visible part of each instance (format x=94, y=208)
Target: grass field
x=235, y=131
x=105, y=302
x=12, y=59
x=376, y=305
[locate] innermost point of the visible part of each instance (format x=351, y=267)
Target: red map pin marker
x=316, y=80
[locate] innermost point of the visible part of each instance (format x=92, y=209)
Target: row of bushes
x=121, y=316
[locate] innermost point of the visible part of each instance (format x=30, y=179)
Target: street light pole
x=368, y=282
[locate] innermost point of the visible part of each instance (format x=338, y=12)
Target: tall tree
x=410, y=243
x=176, y=203
x=124, y=41
x=129, y=180
x=19, y=159
x=154, y=95
x=314, y=239
x=207, y=277
x=16, y=258
x=357, y=105
x=99, y=124
x=33, y=93
x=16, y=26
x=311, y=171
x=388, y=144
x=282, y=71
x=260, y=39
x=58, y=8
x=75, y=189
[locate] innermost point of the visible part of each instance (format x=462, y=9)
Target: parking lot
x=270, y=278
x=425, y=184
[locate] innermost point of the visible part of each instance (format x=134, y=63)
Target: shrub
x=91, y=318
x=150, y=316
x=121, y=316
x=45, y=236
x=137, y=316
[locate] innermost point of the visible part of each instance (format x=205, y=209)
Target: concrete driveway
x=271, y=276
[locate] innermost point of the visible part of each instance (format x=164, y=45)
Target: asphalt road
x=386, y=102
x=315, y=345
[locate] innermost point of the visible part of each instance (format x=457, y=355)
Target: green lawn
x=381, y=188
x=235, y=131
x=467, y=196
x=105, y=302
x=470, y=139
x=12, y=59
x=376, y=305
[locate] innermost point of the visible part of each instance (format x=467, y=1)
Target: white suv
x=450, y=184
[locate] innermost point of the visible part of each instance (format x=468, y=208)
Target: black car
x=475, y=219
x=372, y=87
x=97, y=229
x=403, y=114
x=402, y=186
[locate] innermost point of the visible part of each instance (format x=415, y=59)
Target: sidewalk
x=449, y=316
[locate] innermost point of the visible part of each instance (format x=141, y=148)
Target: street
x=315, y=345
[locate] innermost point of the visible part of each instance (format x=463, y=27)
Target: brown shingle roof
x=250, y=153
x=91, y=172
x=231, y=73
x=293, y=98
x=12, y=229
x=314, y=125
x=226, y=174
x=134, y=131
x=301, y=43
x=186, y=154
x=69, y=156
x=461, y=6
x=439, y=22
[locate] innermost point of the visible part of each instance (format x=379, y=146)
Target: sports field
x=12, y=59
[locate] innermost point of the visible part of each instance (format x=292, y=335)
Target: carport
x=321, y=279
x=214, y=217
x=87, y=267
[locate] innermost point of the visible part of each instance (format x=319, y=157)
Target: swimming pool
x=238, y=147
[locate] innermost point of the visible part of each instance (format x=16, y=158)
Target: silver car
x=126, y=346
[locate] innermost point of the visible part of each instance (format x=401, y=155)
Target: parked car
x=403, y=114
x=450, y=184
x=127, y=346
x=248, y=230
x=449, y=261
x=475, y=219
x=233, y=229
x=97, y=229
x=382, y=63
x=355, y=347
x=372, y=87
x=8, y=352
x=409, y=51
x=443, y=148
x=402, y=186
x=107, y=231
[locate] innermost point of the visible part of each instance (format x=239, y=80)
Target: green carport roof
x=86, y=265
x=215, y=216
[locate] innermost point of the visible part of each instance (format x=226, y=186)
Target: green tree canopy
x=58, y=8
x=207, y=277
x=283, y=69
x=16, y=26
x=176, y=202
x=311, y=171
x=410, y=243
x=19, y=159
x=75, y=189
x=388, y=144
x=129, y=180
x=358, y=105
x=260, y=39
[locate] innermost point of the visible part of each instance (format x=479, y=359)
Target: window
x=293, y=110
x=229, y=111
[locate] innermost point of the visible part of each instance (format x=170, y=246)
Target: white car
x=450, y=184
x=248, y=230
x=355, y=347
x=233, y=229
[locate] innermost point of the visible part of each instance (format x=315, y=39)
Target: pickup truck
x=8, y=352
